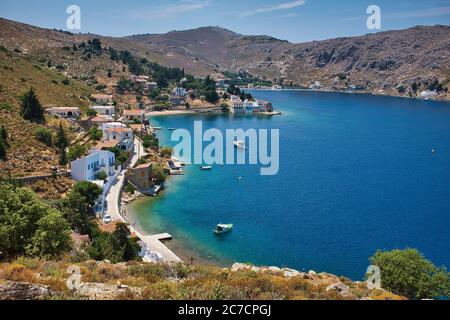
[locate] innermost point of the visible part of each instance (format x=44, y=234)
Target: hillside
x=28, y=279
x=386, y=62
x=25, y=155
x=379, y=61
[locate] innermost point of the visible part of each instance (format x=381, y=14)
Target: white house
x=246, y=107
x=179, y=91
x=111, y=125
x=133, y=115
x=64, y=112
x=88, y=169
x=104, y=110
x=102, y=99
x=124, y=135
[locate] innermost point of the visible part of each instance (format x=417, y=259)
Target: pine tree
x=3, y=133
x=61, y=138
x=31, y=107
x=2, y=149
x=63, y=157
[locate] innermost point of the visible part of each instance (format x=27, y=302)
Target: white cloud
x=182, y=6
x=281, y=6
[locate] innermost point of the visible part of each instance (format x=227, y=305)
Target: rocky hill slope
x=381, y=61
x=403, y=62
x=34, y=279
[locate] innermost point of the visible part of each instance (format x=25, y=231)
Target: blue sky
x=293, y=20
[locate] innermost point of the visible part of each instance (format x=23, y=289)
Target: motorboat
x=223, y=228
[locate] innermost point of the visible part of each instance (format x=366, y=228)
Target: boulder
x=23, y=291
x=340, y=288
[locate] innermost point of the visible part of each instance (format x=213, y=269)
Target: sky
x=293, y=20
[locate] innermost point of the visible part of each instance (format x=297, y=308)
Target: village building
x=64, y=112
x=89, y=168
x=179, y=91
x=141, y=176
x=100, y=120
x=133, y=116
x=102, y=99
x=104, y=110
x=107, y=145
x=124, y=135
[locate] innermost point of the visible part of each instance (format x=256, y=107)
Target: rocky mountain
x=381, y=61
x=391, y=62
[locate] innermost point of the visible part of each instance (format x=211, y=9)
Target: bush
x=166, y=152
x=76, y=152
x=30, y=226
x=44, y=135
x=408, y=273
x=102, y=176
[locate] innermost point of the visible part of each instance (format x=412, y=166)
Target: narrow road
x=153, y=243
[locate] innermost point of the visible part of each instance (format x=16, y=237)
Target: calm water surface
x=357, y=174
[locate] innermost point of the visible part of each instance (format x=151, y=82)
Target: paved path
x=153, y=242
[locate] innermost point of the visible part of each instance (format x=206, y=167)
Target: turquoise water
x=357, y=174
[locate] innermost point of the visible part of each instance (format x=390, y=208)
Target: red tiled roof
x=119, y=130
x=107, y=144
x=133, y=112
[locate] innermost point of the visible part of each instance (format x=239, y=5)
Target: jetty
x=154, y=244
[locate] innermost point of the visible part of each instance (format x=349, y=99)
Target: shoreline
x=179, y=246
x=360, y=92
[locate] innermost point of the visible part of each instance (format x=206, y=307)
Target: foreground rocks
x=23, y=291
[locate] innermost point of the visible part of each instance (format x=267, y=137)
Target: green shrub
x=44, y=135
x=408, y=273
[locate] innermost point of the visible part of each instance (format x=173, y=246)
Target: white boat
x=240, y=144
x=205, y=168
x=223, y=228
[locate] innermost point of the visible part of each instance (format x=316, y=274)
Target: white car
x=107, y=219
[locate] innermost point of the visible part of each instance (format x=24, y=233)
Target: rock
x=23, y=291
x=255, y=269
x=274, y=269
x=240, y=267
x=291, y=273
x=101, y=291
x=340, y=288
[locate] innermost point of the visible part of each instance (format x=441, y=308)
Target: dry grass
x=179, y=281
x=26, y=156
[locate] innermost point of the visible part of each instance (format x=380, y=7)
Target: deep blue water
x=357, y=174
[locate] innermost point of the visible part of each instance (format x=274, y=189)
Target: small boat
x=172, y=129
x=240, y=144
x=223, y=228
x=205, y=168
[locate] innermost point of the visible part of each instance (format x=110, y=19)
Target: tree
x=408, y=273
x=28, y=225
x=44, y=135
x=3, y=133
x=31, y=108
x=2, y=149
x=62, y=157
x=61, y=139
x=102, y=176
x=75, y=152
x=159, y=175
x=51, y=237
x=166, y=152
x=79, y=205
x=95, y=133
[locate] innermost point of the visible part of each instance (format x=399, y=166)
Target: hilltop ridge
x=397, y=62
